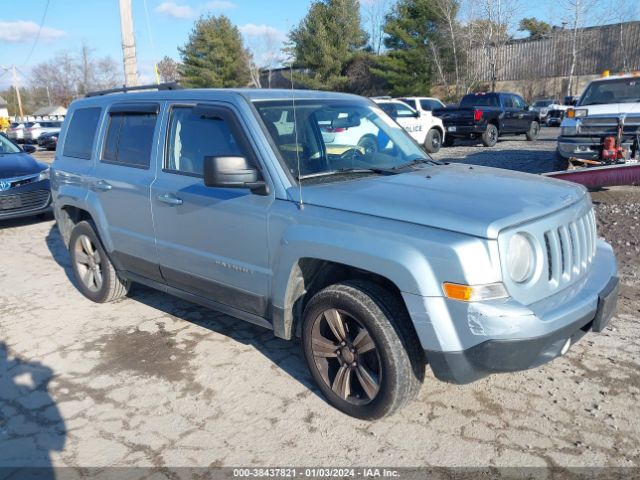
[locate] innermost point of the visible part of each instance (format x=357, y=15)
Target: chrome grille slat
x=584, y=244
x=554, y=255
x=566, y=253
x=570, y=248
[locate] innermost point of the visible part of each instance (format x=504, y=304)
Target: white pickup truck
x=604, y=126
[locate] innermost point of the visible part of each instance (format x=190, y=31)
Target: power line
x=35, y=42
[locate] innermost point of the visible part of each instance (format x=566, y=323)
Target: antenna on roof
x=295, y=130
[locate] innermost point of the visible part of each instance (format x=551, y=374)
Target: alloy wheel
x=88, y=263
x=346, y=356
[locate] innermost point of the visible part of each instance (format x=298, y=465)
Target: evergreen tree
x=326, y=41
x=215, y=55
x=537, y=28
x=413, y=32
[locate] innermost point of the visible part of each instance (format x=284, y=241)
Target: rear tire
x=534, y=130
x=433, y=141
x=448, y=141
x=361, y=349
x=95, y=275
x=490, y=136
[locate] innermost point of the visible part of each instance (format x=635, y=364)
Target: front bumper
x=497, y=356
x=465, y=341
x=586, y=148
x=30, y=199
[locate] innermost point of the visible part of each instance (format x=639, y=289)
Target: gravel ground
x=155, y=381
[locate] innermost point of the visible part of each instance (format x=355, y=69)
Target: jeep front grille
x=570, y=249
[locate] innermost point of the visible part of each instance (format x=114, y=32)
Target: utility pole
x=128, y=44
x=15, y=85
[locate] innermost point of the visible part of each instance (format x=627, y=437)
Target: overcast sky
x=68, y=23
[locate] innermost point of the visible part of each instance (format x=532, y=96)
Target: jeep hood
x=475, y=200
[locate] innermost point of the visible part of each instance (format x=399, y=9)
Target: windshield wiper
x=342, y=171
x=418, y=161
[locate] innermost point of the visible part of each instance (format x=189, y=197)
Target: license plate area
x=451, y=129
x=10, y=202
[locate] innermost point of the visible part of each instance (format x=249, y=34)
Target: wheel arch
x=307, y=276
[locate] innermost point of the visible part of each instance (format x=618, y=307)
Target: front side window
x=323, y=137
x=518, y=102
x=192, y=137
x=129, y=138
x=409, y=101
x=81, y=133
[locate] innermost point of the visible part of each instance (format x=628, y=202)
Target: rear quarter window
x=81, y=133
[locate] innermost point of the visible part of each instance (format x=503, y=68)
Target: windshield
x=332, y=136
x=7, y=146
x=542, y=103
x=623, y=90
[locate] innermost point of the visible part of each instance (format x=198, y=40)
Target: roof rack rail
x=153, y=86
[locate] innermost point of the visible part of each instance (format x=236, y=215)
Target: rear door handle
x=169, y=199
x=102, y=185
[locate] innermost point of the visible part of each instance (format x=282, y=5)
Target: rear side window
x=479, y=100
x=81, y=133
x=129, y=138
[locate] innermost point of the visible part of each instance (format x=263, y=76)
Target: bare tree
x=265, y=45
x=578, y=10
x=373, y=16
x=495, y=22
x=447, y=10
x=168, y=69
x=67, y=75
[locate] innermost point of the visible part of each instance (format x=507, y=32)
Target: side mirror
x=233, y=172
x=28, y=148
x=418, y=113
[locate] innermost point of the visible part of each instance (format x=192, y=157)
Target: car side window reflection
x=192, y=137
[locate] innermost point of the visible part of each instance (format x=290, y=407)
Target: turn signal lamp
x=474, y=293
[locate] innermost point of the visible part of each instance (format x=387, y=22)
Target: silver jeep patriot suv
x=381, y=259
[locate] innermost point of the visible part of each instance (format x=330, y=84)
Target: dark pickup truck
x=488, y=116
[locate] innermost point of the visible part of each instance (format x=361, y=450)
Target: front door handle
x=102, y=185
x=169, y=199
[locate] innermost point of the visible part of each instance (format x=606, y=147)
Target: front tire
x=361, y=350
x=95, y=275
x=534, y=130
x=433, y=141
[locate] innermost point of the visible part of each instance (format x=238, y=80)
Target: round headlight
x=520, y=258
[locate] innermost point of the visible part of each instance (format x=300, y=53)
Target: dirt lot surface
x=156, y=381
